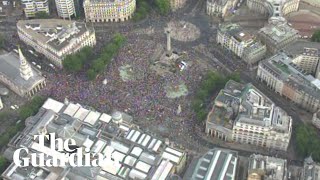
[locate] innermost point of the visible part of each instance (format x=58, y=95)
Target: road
x=194, y=12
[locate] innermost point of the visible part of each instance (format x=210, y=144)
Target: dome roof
x=117, y=116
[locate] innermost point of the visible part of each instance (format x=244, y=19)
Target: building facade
x=241, y=43
x=56, y=38
x=308, y=61
x=241, y=113
x=65, y=8
x=177, y=4
x=19, y=76
x=31, y=7
x=311, y=170
x=266, y=167
x=140, y=154
x=273, y=8
x=282, y=76
x=316, y=119
x=314, y=3
x=108, y=10
x=277, y=35
x=220, y=8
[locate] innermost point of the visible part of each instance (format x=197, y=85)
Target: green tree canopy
x=108, y=52
x=307, y=141
x=316, y=36
x=2, y=39
x=91, y=74
x=212, y=82
x=3, y=163
x=42, y=15
x=143, y=8
x=75, y=62
x=163, y=6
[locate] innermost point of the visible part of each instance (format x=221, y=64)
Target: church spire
x=25, y=69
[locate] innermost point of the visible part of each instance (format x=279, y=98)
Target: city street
x=124, y=95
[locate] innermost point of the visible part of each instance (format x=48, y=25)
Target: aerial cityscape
x=160, y=89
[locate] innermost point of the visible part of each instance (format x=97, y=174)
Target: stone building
x=220, y=8
x=217, y=164
x=177, y=4
x=108, y=10
x=241, y=113
x=56, y=38
x=311, y=170
x=277, y=35
x=316, y=119
x=31, y=7
x=285, y=78
x=273, y=8
x=19, y=76
x=267, y=168
x=141, y=155
x=314, y=3
x=241, y=43
x=308, y=61
x=66, y=8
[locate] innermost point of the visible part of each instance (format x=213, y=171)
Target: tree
x=91, y=74
x=109, y=51
x=72, y=63
x=3, y=163
x=142, y=10
x=2, y=39
x=98, y=65
x=316, y=36
x=42, y=15
x=163, y=6
x=307, y=141
x=75, y=62
x=25, y=112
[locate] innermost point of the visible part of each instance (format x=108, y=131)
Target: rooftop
x=278, y=32
x=298, y=47
x=311, y=169
x=245, y=103
x=108, y=1
x=56, y=33
x=236, y=31
x=141, y=154
x=216, y=164
x=282, y=66
x=219, y=2
x=269, y=167
x=9, y=67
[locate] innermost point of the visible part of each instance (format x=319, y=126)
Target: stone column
x=168, y=33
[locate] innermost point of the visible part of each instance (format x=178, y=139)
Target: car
x=34, y=63
x=38, y=66
x=16, y=106
x=33, y=53
x=12, y=107
x=51, y=65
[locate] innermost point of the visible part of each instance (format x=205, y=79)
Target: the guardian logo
x=60, y=154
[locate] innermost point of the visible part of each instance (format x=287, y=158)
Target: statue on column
x=179, y=109
x=66, y=101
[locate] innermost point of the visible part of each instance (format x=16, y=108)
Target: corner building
x=108, y=10
x=241, y=113
x=56, y=38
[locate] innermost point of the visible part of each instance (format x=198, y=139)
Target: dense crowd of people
x=143, y=96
